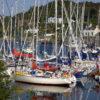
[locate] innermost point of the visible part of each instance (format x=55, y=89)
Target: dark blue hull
x=79, y=74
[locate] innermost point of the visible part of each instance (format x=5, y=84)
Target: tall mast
x=77, y=13
x=99, y=16
x=37, y=32
x=34, y=17
x=82, y=21
x=22, y=23
x=82, y=18
x=70, y=39
x=71, y=31
x=46, y=28
x=11, y=28
x=15, y=23
x=3, y=23
x=62, y=29
x=56, y=51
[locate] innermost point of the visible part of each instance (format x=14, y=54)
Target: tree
x=5, y=89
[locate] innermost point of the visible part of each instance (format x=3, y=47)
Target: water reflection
x=90, y=90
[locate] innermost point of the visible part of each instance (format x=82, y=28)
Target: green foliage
x=2, y=67
x=5, y=89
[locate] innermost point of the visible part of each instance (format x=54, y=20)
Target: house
x=92, y=36
x=53, y=20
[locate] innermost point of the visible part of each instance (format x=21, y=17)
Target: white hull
x=42, y=80
x=46, y=59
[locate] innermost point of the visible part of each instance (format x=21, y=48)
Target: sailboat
x=48, y=75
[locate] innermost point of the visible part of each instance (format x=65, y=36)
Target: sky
x=11, y=7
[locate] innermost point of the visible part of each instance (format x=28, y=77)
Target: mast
x=22, y=23
x=77, y=13
x=46, y=28
x=11, y=28
x=62, y=28
x=3, y=24
x=56, y=51
x=82, y=22
x=34, y=18
x=70, y=39
x=37, y=32
x=71, y=32
x=15, y=24
x=99, y=16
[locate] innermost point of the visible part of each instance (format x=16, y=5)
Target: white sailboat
x=47, y=81
x=41, y=77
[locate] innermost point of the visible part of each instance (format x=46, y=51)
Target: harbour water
x=89, y=90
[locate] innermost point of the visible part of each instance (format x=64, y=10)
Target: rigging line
x=78, y=26
x=26, y=36
x=30, y=23
x=32, y=16
x=50, y=8
x=45, y=28
x=34, y=24
x=41, y=11
x=11, y=27
x=25, y=40
x=76, y=14
x=3, y=25
x=65, y=33
x=8, y=7
x=1, y=19
x=81, y=22
x=23, y=47
x=73, y=10
x=10, y=20
x=63, y=41
x=8, y=41
x=71, y=31
x=1, y=45
x=5, y=31
x=37, y=33
x=15, y=29
x=22, y=23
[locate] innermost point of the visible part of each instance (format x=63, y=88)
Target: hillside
x=91, y=16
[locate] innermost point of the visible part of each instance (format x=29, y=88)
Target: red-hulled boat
x=21, y=54
x=46, y=67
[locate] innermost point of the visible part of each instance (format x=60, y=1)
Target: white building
x=92, y=36
x=53, y=20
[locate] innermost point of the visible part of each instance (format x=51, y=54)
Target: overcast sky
x=16, y=6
